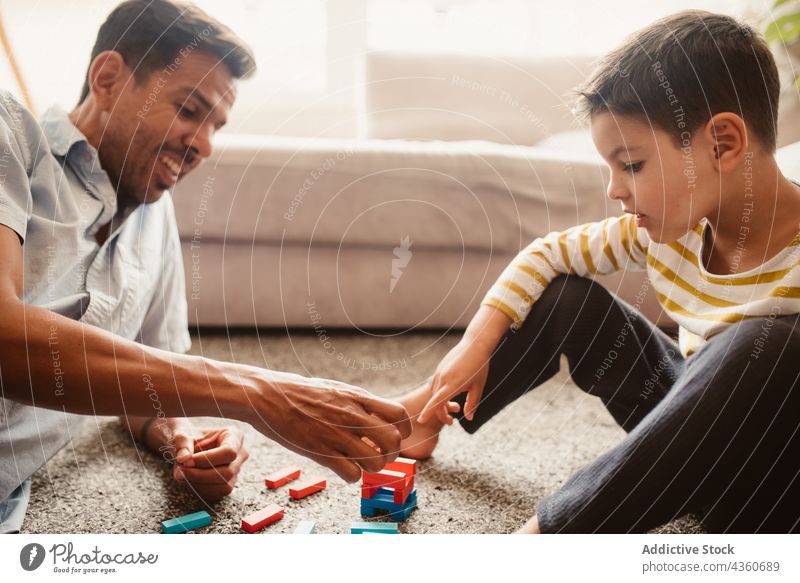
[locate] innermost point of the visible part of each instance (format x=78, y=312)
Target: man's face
x=161, y=129
x=651, y=176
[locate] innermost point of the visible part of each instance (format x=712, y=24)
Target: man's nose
x=200, y=142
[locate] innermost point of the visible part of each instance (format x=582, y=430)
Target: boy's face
x=654, y=178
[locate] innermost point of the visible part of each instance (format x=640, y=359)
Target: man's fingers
x=389, y=411
x=184, y=448
x=346, y=469
x=224, y=452
x=209, y=438
x=363, y=455
x=384, y=437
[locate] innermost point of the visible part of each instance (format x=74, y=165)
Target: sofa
x=465, y=161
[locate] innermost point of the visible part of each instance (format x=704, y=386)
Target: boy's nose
x=616, y=190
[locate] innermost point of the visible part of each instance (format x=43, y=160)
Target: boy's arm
x=594, y=248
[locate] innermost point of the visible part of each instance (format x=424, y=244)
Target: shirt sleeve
x=594, y=248
x=18, y=132
x=166, y=323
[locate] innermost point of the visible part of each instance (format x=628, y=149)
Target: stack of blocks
x=392, y=489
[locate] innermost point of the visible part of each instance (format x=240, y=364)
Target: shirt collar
x=61, y=133
x=68, y=142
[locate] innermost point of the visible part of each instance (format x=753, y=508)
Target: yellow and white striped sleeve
x=593, y=248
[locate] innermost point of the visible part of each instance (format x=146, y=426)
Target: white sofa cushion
x=475, y=195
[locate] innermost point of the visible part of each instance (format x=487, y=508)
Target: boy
x=684, y=114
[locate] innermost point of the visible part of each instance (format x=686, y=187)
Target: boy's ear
x=108, y=73
x=726, y=134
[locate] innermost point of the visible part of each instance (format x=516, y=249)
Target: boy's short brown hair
x=681, y=70
x=153, y=34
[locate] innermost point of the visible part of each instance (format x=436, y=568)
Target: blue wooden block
x=385, y=501
x=182, y=524
x=374, y=527
x=306, y=527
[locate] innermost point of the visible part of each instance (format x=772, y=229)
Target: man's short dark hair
x=152, y=34
x=683, y=69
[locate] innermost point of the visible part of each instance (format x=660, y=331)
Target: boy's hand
x=207, y=461
x=463, y=370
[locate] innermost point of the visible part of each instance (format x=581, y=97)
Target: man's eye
x=185, y=111
x=633, y=167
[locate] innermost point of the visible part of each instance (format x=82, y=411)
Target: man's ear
x=108, y=74
x=726, y=134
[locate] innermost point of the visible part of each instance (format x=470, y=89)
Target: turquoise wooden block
x=182, y=524
x=374, y=527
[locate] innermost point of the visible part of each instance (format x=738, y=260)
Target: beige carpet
x=485, y=483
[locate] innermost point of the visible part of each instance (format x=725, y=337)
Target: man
x=92, y=302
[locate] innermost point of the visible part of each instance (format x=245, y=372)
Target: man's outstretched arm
x=104, y=374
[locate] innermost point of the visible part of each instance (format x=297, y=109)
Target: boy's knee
x=748, y=355
x=573, y=292
x=754, y=338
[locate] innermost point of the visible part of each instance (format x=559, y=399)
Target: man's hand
x=339, y=426
x=206, y=461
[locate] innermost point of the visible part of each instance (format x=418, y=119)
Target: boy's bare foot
x=424, y=437
x=530, y=527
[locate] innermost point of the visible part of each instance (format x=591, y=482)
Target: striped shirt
x=703, y=304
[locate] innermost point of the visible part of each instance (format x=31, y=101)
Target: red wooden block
x=281, y=477
x=262, y=518
x=388, y=478
x=403, y=464
x=307, y=488
x=368, y=491
x=401, y=494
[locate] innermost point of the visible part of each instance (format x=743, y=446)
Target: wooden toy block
x=307, y=487
x=281, y=477
x=183, y=524
x=383, y=500
x=386, y=496
x=401, y=494
x=388, y=478
x=306, y=527
x=374, y=527
x=403, y=464
x=261, y=519
x=368, y=491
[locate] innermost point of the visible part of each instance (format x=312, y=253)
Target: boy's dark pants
x=716, y=434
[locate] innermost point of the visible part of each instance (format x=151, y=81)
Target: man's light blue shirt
x=55, y=196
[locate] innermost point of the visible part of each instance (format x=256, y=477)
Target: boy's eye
x=633, y=167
